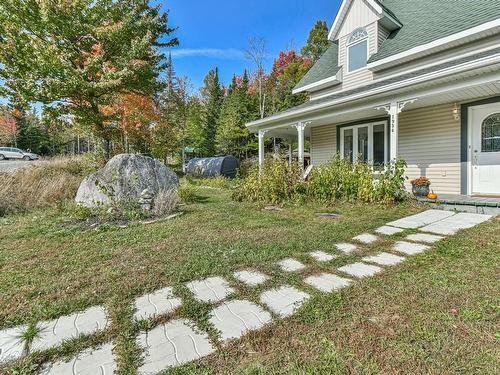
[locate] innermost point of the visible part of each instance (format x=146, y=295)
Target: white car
x=16, y=153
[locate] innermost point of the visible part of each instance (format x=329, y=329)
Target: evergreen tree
x=238, y=109
x=212, y=96
x=317, y=42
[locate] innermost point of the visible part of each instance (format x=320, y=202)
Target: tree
x=8, y=128
x=211, y=96
x=237, y=109
x=77, y=56
x=317, y=42
x=256, y=52
x=288, y=69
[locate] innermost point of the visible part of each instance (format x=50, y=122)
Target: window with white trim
x=357, y=50
x=365, y=142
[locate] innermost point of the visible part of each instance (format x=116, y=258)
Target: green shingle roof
x=427, y=20
x=423, y=22
x=326, y=67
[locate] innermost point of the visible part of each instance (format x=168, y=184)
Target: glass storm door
x=485, y=155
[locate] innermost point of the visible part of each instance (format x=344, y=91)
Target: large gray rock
x=125, y=178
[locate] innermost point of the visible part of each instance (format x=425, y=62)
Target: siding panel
x=429, y=141
x=323, y=144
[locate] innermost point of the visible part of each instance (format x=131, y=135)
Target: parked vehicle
x=16, y=153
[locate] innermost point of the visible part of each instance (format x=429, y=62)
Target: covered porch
x=427, y=124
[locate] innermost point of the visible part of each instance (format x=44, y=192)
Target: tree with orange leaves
x=77, y=57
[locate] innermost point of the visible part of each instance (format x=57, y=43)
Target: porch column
x=301, y=126
x=393, y=109
x=262, y=155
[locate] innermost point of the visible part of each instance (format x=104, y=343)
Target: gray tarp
x=226, y=166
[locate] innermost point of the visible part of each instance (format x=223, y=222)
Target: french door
x=365, y=142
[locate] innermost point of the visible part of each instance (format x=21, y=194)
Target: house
x=411, y=79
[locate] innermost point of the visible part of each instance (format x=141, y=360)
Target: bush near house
x=338, y=180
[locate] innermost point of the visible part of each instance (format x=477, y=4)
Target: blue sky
x=216, y=32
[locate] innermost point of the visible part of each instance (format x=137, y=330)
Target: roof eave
x=322, y=84
x=425, y=49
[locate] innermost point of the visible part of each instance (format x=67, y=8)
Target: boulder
x=126, y=178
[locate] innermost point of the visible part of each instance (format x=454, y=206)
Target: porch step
x=464, y=203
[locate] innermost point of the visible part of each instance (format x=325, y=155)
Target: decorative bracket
x=300, y=126
x=395, y=108
x=262, y=133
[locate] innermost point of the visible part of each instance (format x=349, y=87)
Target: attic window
x=357, y=50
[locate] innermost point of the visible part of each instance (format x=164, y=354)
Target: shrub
x=337, y=180
x=277, y=183
x=42, y=185
x=187, y=192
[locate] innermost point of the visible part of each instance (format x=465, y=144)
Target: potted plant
x=420, y=186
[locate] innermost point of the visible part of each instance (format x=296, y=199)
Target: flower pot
x=420, y=190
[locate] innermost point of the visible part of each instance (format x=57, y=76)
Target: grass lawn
x=436, y=313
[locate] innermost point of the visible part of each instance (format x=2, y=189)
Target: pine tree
x=212, y=96
x=238, y=109
x=317, y=42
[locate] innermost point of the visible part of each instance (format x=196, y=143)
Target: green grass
x=436, y=313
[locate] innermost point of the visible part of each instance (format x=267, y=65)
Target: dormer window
x=357, y=50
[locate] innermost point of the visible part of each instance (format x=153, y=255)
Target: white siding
x=359, y=15
x=429, y=141
x=323, y=144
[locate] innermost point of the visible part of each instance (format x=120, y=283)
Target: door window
x=365, y=143
x=490, y=134
x=348, y=144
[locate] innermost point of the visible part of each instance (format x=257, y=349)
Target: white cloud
x=224, y=54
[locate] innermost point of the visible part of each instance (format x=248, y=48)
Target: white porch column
x=262, y=155
x=301, y=126
x=393, y=109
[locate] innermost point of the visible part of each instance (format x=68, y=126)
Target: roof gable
x=360, y=13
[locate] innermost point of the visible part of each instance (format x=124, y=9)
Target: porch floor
x=464, y=200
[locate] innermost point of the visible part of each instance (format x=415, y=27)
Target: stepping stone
x=235, y=318
x=172, y=344
x=366, y=238
x=327, y=282
x=99, y=361
x=157, y=303
x=213, y=289
x=291, y=265
x=424, y=237
x=11, y=343
x=360, y=270
x=251, y=278
x=421, y=219
x=455, y=223
x=346, y=247
x=321, y=256
x=54, y=332
x=284, y=301
x=384, y=259
x=409, y=248
x=388, y=231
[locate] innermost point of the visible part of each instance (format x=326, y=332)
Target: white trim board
x=462, y=37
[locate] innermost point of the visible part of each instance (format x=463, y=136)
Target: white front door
x=485, y=153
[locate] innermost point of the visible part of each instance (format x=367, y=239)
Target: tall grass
x=42, y=185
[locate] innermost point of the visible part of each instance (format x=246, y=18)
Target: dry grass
x=166, y=202
x=42, y=185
